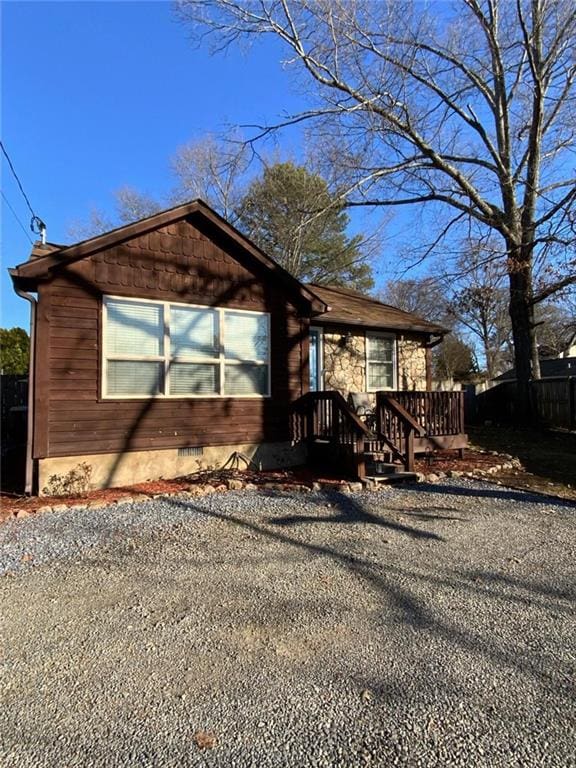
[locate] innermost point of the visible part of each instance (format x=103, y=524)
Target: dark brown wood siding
x=184, y=262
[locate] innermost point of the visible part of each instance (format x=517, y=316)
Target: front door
x=316, y=382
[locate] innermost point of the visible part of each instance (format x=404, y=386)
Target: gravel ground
x=431, y=625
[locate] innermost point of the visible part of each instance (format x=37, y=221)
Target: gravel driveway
x=425, y=626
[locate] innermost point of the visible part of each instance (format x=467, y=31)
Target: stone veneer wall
x=411, y=363
x=345, y=365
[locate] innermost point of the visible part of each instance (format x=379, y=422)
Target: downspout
x=29, y=481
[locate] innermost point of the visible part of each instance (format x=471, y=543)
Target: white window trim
x=383, y=335
x=220, y=360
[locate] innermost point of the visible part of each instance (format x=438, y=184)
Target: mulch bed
x=445, y=461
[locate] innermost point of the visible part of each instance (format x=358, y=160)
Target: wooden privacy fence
x=553, y=401
x=13, y=401
x=13, y=392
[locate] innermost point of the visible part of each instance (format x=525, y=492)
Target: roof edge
x=37, y=269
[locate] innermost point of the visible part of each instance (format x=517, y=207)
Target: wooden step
x=384, y=467
x=389, y=479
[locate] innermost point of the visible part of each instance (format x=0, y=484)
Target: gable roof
x=328, y=304
x=46, y=257
x=348, y=307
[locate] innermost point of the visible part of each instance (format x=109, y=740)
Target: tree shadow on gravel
x=389, y=581
x=492, y=493
x=349, y=511
x=524, y=585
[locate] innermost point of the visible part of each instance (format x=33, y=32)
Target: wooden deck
x=439, y=414
x=407, y=423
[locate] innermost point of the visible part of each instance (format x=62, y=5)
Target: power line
x=17, y=179
x=35, y=221
x=16, y=217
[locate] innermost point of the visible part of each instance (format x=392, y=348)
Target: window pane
x=381, y=349
x=134, y=378
x=380, y=376
x=245, y=336
x=313, y=361
x=246, y=380
x=134, y=329
x=192, y=379
x=193, y=332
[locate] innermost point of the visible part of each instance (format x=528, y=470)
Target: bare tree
x=477, y=300
x=556, y=327
x=132, y=205
x=454, y=359
x=425, y=297
x=96, y=223
x=467, y=106
x=214, y=170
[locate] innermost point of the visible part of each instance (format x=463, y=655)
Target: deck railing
x=439, y=413
x=332, y=430
x=324, y=418
x=397, y=427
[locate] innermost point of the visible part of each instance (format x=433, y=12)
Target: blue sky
x=99, y=95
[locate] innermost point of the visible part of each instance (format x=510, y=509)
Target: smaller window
x=380, y=362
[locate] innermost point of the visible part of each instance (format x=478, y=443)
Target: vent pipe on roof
x=39, y=228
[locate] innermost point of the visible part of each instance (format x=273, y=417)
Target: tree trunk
x=535, y=355
x=522, y=318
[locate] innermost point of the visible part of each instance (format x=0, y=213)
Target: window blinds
x=134, y=329
x=193, y=332
x=157, y=348
x=245, y=336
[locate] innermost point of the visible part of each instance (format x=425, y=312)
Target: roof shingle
x=348, y=307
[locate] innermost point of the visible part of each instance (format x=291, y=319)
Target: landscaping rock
x=234, y=485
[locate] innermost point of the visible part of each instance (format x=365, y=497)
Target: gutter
x=29, y=481
x=431, y=344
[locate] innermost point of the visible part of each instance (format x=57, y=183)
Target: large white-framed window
x=380, y=361
x=173, y=350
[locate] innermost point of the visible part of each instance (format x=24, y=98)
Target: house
x=550, y=368
x=366, y=346
x=168, y=345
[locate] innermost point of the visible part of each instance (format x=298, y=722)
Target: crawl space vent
x=195, y=451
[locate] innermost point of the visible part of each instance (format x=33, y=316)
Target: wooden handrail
x=310, y=398
x=324, y=418
x=349, y=414
x=403, y=414
x=438, y=413
x=396, y=427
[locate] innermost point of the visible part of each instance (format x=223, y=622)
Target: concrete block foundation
x=112, y=470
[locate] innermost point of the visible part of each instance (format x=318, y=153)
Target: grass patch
x=548, y=456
